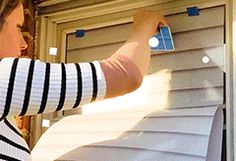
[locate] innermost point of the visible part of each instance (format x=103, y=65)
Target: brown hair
x=6, y=7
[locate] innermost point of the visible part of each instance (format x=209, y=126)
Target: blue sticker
x=193, y=11
x=165, y=40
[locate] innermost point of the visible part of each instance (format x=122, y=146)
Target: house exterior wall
x=86, y=21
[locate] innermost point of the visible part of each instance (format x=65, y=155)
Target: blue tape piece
x=193, y=11
x=79, y=33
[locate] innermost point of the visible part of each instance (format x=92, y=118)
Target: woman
x=31, y=87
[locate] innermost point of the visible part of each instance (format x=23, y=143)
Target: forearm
x=124, y=71
x=137, y=49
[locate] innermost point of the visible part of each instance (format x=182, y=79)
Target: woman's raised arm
x=32, y=87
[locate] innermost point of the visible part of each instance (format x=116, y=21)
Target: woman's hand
x=146, y=23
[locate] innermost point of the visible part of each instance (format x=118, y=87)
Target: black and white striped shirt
x=33, y=87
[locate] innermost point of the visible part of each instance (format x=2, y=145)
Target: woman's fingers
x=147, y=22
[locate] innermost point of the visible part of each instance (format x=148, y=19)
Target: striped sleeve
x=31, y=86
x=12, y=145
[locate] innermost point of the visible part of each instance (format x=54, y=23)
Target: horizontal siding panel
x=188, y=112
x=199, y=38
x=72, y=139
x=195, y=98
x=188, y=125
x=100, y=36
x=188, y=59
x=139, y=113
x=210, y=77
x=176, y=143
x=101, y=125
x=92, y=53
x=206, y=19
x=100, y=153
x=121, y=114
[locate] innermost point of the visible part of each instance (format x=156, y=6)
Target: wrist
x=140, y=38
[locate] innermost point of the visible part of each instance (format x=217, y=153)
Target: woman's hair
x=6, y=7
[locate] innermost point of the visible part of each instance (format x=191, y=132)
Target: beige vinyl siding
x=193, y=78
x=195, y=97
x=95, y=40
x=192, y=83
x=143, y=131
x=120, y=33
